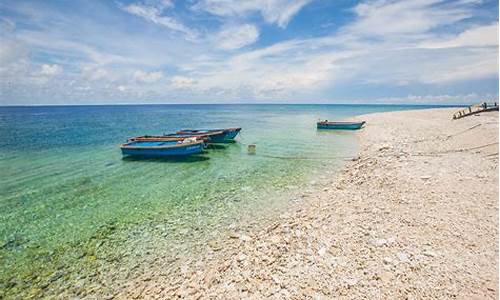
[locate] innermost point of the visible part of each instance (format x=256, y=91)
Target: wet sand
x=414, y=216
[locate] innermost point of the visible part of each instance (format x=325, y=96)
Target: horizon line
x=233, y=103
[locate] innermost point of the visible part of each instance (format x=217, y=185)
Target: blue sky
x=239, y=51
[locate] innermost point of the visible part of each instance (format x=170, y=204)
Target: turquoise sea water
x=65, y=187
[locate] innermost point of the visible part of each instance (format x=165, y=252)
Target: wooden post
x=252, y=149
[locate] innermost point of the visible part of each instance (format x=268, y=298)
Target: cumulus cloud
x=182, y=82
x=235, y=37
x=96, y=74
x=122, y=88
x=372, y=49
x=395, y=44
x=146, y=77
x=50, y=70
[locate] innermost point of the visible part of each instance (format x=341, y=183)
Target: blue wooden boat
x=162, y=148
x=340, y=125
x=213, y=135
x=168, y=137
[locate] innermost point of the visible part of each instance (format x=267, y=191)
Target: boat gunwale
x=181, y=132
x=219, y=131
x=163, y=138
x=342, y=122
x=178, y=145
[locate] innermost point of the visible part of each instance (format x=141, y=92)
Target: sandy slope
x=415, y=216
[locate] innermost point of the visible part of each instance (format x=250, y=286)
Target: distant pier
x=476, y=109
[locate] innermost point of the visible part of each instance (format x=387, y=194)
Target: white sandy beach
x=414, y=216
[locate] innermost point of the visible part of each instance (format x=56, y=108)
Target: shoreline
x=390, y=225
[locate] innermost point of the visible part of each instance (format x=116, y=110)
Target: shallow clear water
x=64, y=179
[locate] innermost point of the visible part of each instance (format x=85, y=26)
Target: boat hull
x=160, y=149
x=213, y=135
x=340, y=125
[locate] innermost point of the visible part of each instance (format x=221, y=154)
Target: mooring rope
x=295, y=157
x=464, y=131
x=305, y=158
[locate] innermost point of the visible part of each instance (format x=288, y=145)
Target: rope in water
x=307, y=158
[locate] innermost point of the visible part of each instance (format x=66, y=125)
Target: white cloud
x=389, y=43
x=122, y=88
x=383, y=18
x=432, y=99
x=146, y=77
x=373, y=49
x=278, y=12
x=235, y=37
x=155, y=15
x=92, y=73
x=472, y=64
x=50, y=70
x=479, y=36
x=182, y=82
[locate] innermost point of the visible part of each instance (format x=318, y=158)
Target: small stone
x=387, y=260
x=351, y=281
x=491, y=288
x=385, y=276
x=214, y=245
x=246, y=189
x=245, y=238
x=403, y=257
x=210, y=278
x=234, y=235
x=379, y=242
x=241, y=257
x=425, y=177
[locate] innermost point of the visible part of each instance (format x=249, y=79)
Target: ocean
x=69, y=199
